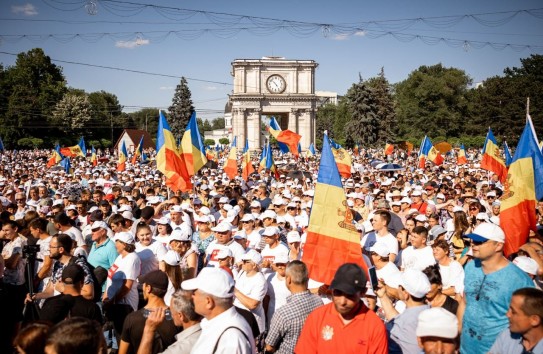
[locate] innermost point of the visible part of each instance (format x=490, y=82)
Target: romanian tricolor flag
x=507, y=153
x=138, y=152
x=492, y=159
x=168, y=159
x=123, y=156
x=71, y=151
x=274, y=127
x=192, y=147
x=270, y=164
x=263, y=159
x=389, y=148
x=246, y=164
x=522, y=188
x=461, y=158
x=231, y=163
x=332, y=238
x=287, y=137
x=94, y=158
x=55, y=157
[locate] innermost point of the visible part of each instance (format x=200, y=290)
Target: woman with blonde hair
x=170, y=264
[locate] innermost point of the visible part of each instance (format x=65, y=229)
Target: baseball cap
x=268, y=214
x=171, y=257
x=380, y=248
x=294, y=236
x=156, y=278
x=421, y=218
x=248, y=217
x=349, y=278
x=225, y=252
x=176, y=209
x=179, y=235
x=383, y=204
x=457, y=208
x=223, y=226
x=72, y=273
x=487, y=231
x=99, y=225
x=437, y=322
x=163, y=221
x=252, y=256
x=527, y=264
x=213, y=281
x=124, y=236
x=270, y=231
x=415, y=283
x=436, y=230
x=281, y=258
x=255, y=204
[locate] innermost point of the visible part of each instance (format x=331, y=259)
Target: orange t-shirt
x=324, y=332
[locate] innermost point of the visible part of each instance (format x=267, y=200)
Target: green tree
x=217, y=123
x=181, y=109
x=209, y=142
x=364, y=125
x=224, y=141
x=388, y=127
x=206, y=126
x=108, y=120
x=146, y=119
x=72, y=115
x=30, y=90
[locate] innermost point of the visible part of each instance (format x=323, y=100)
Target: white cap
x=487, y=231
x=416, y=193
x=294, y=236
x=421, y=218
x=248, y=217
x=171, y=257
x=437, y=322
x=268, y=214
x=176, y=209
x=153, y=200
x=203, y=218
x=256, y=204
x=223, y=200
x=415, y=283
x=457, y=208
x=380, y=248
x=482, y=216
x=179, y=235
x=99, y=225
x=124, y=236
x=128, y=215
x=224, y=252
x=253, y=256
x=440, y=196
x=270, y=231
x=163, y=221
x=240, y=234
x=527, y=264
x=223, y=226
x=281, y=258
x=213, y=281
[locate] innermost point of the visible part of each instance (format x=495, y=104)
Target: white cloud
x=26, y=9
x=132, y=44
x=360, y=33
x=166, y=88
x=340, y=37
x=210, y=88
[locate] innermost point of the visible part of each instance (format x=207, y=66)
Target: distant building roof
x=228, y=107
x=135, y=136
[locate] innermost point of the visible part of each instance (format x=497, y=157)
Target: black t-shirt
x=450, y=305
x=133, y=331
x=59, y=307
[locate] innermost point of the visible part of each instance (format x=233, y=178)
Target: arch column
x=293, y=124
x=253, y=129
x=239, y=127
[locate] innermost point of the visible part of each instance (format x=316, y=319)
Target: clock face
x=276, y=84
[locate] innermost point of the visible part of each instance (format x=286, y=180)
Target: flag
x=431, y=153
x=263, y=159
x=492, y=160
x=332, y=238
x=462, y=159
x=311, y=151
x=356, y=150
x=168, y=159
x=389, y=148
x=342, y=158
x=71, y=151
x=507, y=153
x=235, y=142
x=275, y=128
x=123, y=156
x=422, y=156
x=94, y=158
x=1, y=145
x=522, y=188
x=231, y=163
x=270, y=164
x=138, y=152
x=192, y=147
x=246, y=164
x=66, y=164
x=287, y=138
x=55, y=157
x=83, y=147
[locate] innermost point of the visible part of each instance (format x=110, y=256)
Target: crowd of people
x=95, y=260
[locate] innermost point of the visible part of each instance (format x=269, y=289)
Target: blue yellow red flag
x=55, y=157
x=231, y=163
x=168, y=159
x=71, y=151
x=66, y=164
x=94, y=158
x=522, y=188
x=83, y=147
x=507, y=153
x=389, y=148
x=461, y=158
x=431, y=153
x=246, y=163
x=274, y=130
x=138, y=152
x=492, y=159
x=192, y=147
x=270, y=163
x=311, y=151
x=332, y=238
x=263, y=159
x=422, y=156
x=123, y=157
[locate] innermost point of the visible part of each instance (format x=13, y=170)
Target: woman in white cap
x=202, y=237
x=164, y=230
x=169, y=264
x=148, y=249
x=180, y=242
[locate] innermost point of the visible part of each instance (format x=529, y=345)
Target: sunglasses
x=473, y=209
x=478, y=243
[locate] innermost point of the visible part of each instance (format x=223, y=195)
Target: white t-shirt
x=149, y=255
x=254, y=239
x=269, y=254
x=77, y=235
x=390, y=274
x=256, y=288
x=214, y=248
x=124, y=268
x=418, y=259
x=452, y=275
x=371, y=238
x=278, y=293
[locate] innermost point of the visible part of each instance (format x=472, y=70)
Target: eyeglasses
x=478, y=243
x=247, y=222
x=19, y=200
x=473, y=209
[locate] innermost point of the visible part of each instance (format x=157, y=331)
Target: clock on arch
x=276, y=84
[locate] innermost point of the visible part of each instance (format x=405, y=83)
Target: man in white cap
x=437, y=331
x=277, y=288
x=294, y=241
x=274, y=248
x=223, y=330
x=252, y=236
x=490, y=281
x=223, y=238
x=386, y=270
x=412, y=290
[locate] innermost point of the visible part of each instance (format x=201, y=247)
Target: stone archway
x=273, y=86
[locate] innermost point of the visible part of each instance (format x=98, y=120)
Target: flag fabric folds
x=270, y=164
x=311, y=151
x=430, y=153
x=55, y=157
x=389, y=148
x=168, y=159
x=522, y=188
x=274, y=128
x=123, y=156
x=461, y=158
x=192, y=147
x=72, y=151
x=492, y=159
x=507, y=153
x=263, y=159
x=356, y=150
x=332, y=238
x=231, y=163
x=422, y=156
x=83, y=147
x=287, y=138
x=94, y=158
x=246, y=165
x=139, y=155
x=66, y=164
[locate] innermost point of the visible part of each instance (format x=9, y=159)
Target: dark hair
x=63, y=219
x=39, y=223
x=65, y=241
x=385, y=215
x=532, y=304
x=420, y=230
x=31, y=339
x=116, y=219
x=433, y=274
x=444, y=245
x=77, y=335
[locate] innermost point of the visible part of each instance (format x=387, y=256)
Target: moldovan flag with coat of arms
x=462, y=159
x=192, y=147
x=431, y=153
x=168, y=160
x=72, y=151
x=522, y=188
x=55, y=158
x=492, y=160
x=332, y=238
x=123, y=156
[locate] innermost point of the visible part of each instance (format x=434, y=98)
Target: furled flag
x=192, y=147
x=83, y=147
x=231, y=163
x=287, y=137
x=138, y=152
x=492, y=158
x=1, y=145
x=461, y=158
x=210, y=154
x=522, y=189
x=94, y=158
x=422, y=156
x=246, y=164
x=123, y=156
x=72, y=151
x=507, y=153
x=311, y=151
x=234, y=142
x=270, y=164
x=356, y=150
x=66, y=164
x=168, y=159
x=431, y=153
x=55, y=157
x=263, y=158
x=332, y=238
x=389, y=148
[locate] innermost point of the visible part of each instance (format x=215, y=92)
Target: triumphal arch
x=273, y=86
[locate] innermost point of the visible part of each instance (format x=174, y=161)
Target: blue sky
x=143, y=45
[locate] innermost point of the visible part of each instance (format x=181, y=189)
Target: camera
x=30, y=251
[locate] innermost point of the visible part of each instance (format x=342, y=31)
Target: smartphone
x=373, y=278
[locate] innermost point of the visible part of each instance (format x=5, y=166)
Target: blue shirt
x=511, y=343
x=103, y=255
x=487, y=301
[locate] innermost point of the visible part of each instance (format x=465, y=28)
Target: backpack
x=98, y=275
